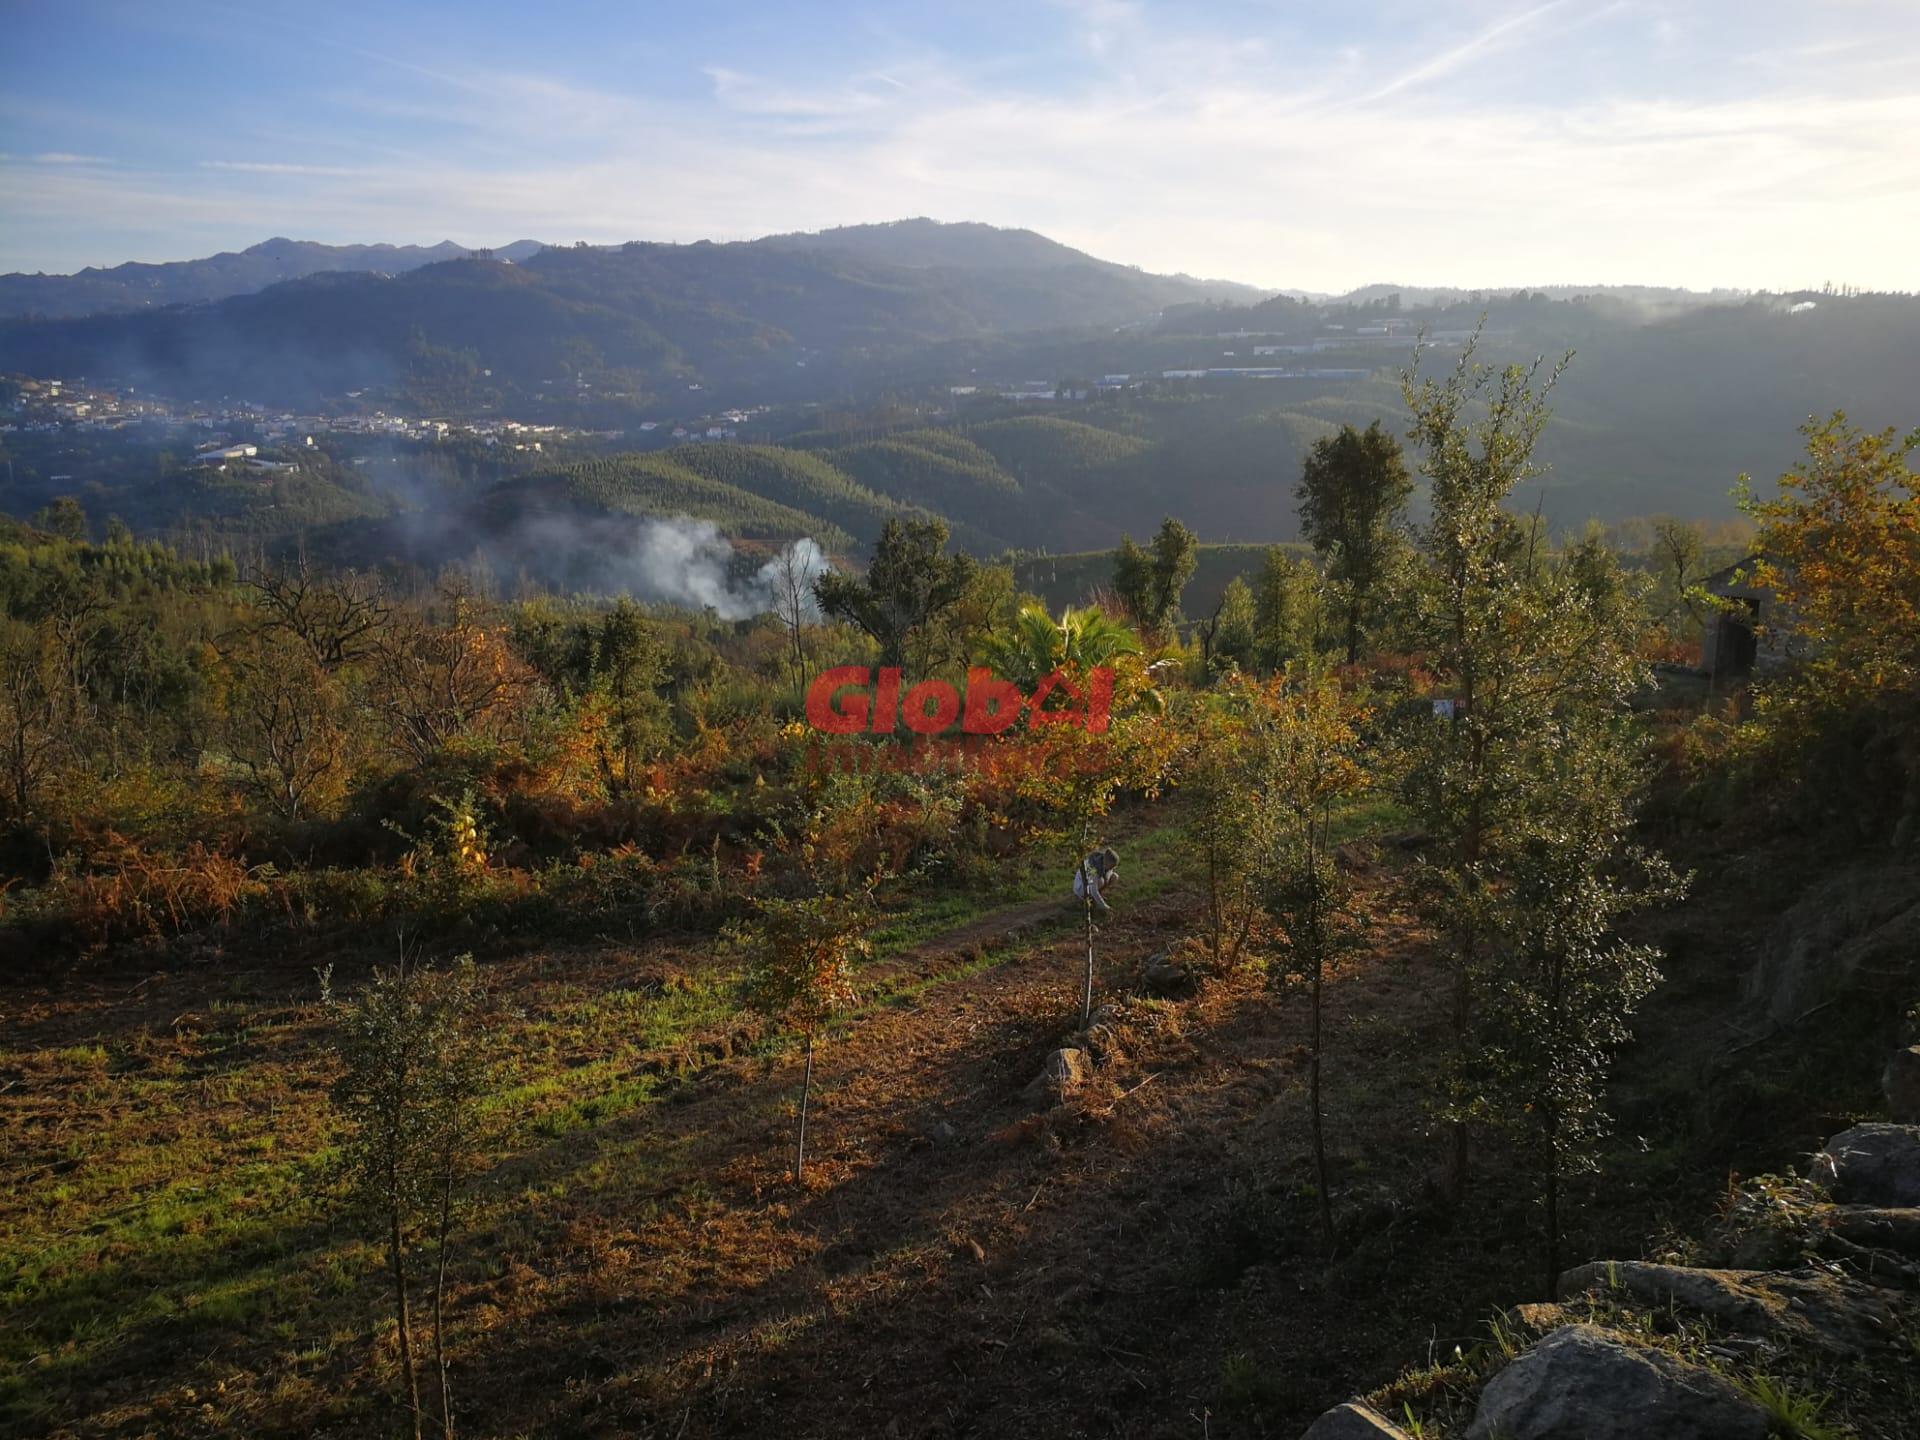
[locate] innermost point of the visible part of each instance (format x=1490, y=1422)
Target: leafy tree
x=414, y=1048
x=627, y=668
x=1530, y=649
x=1561, y=996
x=1151, y=581
x=436, y=684
x=1840, y=551
x=65, y=518
x=1286, y=609
x=1227, y=635
x=1307, y=741
x=986, y=608
x=1679, y=549
x=1353, y=494
x=1840, y=547
x=1225, y=824
x=910, y=583
x=30, y=714
x=800, y=955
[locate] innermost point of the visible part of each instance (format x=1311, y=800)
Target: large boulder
x=1803, y=1307
x=1580, y=1383
x=1874, y=1164
x=1863, y=921
x=1355, y=1420
x=1901, y=1081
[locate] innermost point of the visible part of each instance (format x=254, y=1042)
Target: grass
x=1792, y=1413
x=170, y=1202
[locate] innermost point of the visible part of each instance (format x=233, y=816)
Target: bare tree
x=794, y=570
x=338, y=618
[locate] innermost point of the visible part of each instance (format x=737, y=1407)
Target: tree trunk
x=1213, y=895
x=1456, y=1177
x=412, y=1376
x=440, y=1300
x=1553, y=1217
x=1313, y=1092
x=806, y=1094
x=1086, y=999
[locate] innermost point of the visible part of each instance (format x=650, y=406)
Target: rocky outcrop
x=1866, y=921
x=1901, y=1081
x=1834, y=1313
x=1826, y=1265
x=1580, y=1383
x=1355, y=1420
x=1872, y=1164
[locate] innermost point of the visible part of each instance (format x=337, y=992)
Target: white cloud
x=1458, y=157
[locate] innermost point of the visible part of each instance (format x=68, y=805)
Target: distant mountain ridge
x=635, y=319
x=140, y=286
x=921, y=243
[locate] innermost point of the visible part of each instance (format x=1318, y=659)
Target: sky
x=1751, y=144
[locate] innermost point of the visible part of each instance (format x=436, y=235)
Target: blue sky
x=1487, y=142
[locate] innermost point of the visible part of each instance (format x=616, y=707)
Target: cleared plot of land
x=963, y=1260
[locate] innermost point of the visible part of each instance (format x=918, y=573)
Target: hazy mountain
x=635, y=317
x=136, y=286
x=922, y=244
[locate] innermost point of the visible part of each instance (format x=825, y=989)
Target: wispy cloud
x=278, y=167
x=1494, y=150
x=1464, y=53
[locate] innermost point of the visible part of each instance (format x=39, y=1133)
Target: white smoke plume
x=689, y=562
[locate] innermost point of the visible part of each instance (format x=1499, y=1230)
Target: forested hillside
x=137, y=286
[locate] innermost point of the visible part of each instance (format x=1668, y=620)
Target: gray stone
x=1863, y=921
x=1883, y=1228
x=1581, y=1383
x=1873, y=1164
x=1355, y=1420
x=1064, y=1072
x=1166, y=977
x=1804, y=1307
x=1901, y=1081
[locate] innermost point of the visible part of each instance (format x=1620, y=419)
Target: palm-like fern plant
x=1036, y=644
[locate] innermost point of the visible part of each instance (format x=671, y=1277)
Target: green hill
x=804, y=482
x=944, y=477
x=648, y=485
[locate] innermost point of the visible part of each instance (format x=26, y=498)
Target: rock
x=1873, y=1164
x=1355, y=1420
x=1166, y=977
x=1865, y=921
x=1581, y=1383
x=1885, y=1229
x=1538, y=1317
x=1064, y=1072
x=1901, y=1081
x=1802, y=1308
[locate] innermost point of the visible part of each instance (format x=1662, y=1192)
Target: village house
x=1750, y=630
